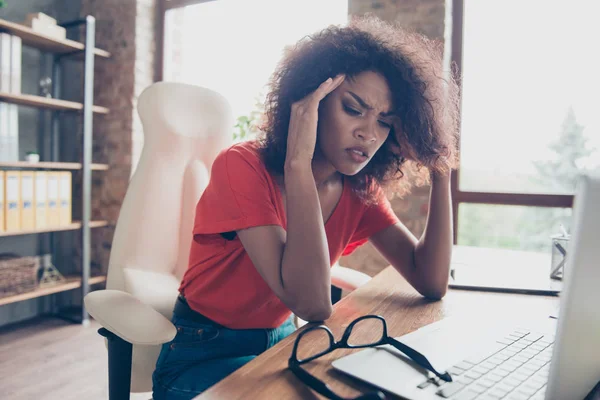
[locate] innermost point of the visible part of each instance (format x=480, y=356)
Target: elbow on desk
x=314, y=313
x=433, y=293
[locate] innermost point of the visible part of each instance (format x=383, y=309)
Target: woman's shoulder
x=240, y=159
x=243, y=152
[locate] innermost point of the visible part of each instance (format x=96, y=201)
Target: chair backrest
x=185, y=127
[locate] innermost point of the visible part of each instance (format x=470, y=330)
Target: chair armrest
x=348, y=279
x=129, y=318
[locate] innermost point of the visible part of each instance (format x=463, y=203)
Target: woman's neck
x=323, y=172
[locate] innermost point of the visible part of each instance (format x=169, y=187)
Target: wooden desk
x=388, y=295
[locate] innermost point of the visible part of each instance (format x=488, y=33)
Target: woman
x=350, y=109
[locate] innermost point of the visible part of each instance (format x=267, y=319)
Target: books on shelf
x=35, y=200
x=12, y=214
x=27, y=201
x=1, y=201
x=41, y=199
x=10, y=82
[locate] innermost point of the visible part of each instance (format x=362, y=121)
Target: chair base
x=119, y=366
x=336, y=294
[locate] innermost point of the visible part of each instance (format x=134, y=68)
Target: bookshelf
x=48, y=103
x=71, y=282
x=50, y=165
x=46, y=43
x=86, y=52
x=71, y=227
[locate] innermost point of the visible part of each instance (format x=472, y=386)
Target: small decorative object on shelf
x=46, y=25
x=32, y=157
x=46, y=87
x=50, y=275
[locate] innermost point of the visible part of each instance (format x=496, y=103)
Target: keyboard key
x=534, y=336
x=465, y=380
x=486, y=382
x=520, y=376
x=520, y=358
x=500, y=371
x=473, y=375
x=494, y=377
x=450, y=389
x=464, y=365
x=495, y=360
x=516, y=396
x=498, y=392
x=511, y=382
x=529, y=353
x=454, y=371
x=537, y=346
x=481, y=369
x=521, y=332
x=425, y=384
x=466, y=395
x=488, y=396
x=477, y=388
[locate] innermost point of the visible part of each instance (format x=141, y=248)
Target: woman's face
x=354, y=121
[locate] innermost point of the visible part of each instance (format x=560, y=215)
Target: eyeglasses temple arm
x=315, y=383
x=418, y=358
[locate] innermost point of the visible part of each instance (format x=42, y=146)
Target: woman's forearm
x=305, y=266
x=434, y=249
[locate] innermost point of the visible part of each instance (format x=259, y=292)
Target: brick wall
x=429, y=18
x=125, y=28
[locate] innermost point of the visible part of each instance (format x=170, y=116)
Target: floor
x=51, y=359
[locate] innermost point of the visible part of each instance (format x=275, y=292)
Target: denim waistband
x=183, y=310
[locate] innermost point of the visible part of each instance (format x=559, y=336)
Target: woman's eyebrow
x=368, y=107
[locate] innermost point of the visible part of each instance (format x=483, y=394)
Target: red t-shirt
x=221, y=282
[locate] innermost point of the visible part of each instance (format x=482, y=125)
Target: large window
x=232, y=46
x=530, y=120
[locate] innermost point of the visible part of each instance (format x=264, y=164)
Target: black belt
x=183, y=310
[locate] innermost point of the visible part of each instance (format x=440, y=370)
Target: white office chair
x=185, y=127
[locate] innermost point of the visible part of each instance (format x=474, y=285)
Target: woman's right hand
x=302, y=132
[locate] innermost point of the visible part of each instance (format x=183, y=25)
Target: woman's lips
x=357, y=155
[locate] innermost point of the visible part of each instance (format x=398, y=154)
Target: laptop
x=502, y=270
x=497, y=359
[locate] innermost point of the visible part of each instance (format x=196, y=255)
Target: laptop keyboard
x=514, y=368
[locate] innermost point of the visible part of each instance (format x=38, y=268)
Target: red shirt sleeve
x=239, y=194
x=375, y=218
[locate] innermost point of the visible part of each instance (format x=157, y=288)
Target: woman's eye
x=385, y=125
x=351, y=111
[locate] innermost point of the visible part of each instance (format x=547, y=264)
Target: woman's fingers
x=327, y=87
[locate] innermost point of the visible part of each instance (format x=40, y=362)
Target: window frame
x=162, y=7
x=458, y=196
x=497, y=198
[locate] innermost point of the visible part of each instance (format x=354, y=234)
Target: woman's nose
x=366, y=132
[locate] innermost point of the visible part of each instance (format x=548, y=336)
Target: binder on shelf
x=27, y=201
x=15, y=88
x=2, y=201
x=5, y=61
x=53, y=216
x=12, y=209
x=41, y=199
x=15, y=64
x=5, y=65
x=65, y=197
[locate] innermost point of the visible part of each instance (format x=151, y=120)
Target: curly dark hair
x=425, y=100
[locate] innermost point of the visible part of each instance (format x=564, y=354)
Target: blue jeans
x=202, y=354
